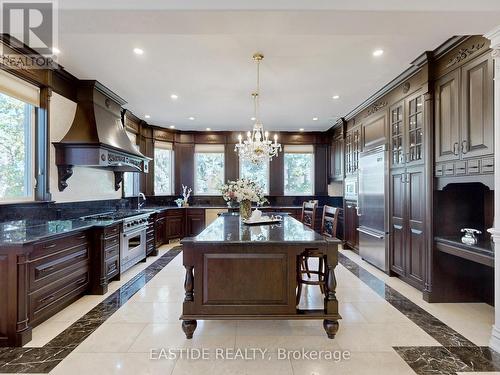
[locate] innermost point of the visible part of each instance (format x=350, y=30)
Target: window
x=208, y=169
x=256, y=172
x=18, y=101
x=163, y=168
x=299, y=170
x=131, y=179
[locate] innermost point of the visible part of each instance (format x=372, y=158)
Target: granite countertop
x=484, y=245
x=229, y=229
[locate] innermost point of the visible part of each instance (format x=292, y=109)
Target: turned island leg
x=331, y=304
x=189, y=326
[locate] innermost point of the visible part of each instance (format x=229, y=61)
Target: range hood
x=97, y=137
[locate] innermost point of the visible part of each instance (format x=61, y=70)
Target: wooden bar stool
x=329, y=222
x=308, y=218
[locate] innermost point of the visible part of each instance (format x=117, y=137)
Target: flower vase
x=245, y=209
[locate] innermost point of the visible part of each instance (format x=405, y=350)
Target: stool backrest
x=308, y=216
x=329, y=221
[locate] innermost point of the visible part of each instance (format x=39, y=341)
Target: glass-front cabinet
x=352, y=144
x=406, y=126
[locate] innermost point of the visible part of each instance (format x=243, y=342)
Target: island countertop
x=228, y=228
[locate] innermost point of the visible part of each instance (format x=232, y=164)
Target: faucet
x=139, y=204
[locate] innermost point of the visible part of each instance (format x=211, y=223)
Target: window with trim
x=208, y=169
x=131, y=179
x=256, y=172
x=18, y=101
x=164, y=168
x=299, y=169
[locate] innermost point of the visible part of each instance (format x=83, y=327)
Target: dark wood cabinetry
x=195, y=221
x=175, y=224
x=151, y=248
x=161, y=229
x=464, y=119
x=351, y=223
x=352, y=149
x=336, y=169
x=105, y=257
x=407, y=218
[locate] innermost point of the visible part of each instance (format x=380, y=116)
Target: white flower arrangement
x=243, y=189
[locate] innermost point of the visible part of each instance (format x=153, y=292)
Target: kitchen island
x=236, y=271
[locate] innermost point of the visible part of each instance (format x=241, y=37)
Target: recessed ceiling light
x=138, y=51
x=208, y=129
x=173, y=97
x=253, y=118
x=315, y=119
x=191, y=118
x=147, y=116
x=335, y=97
x=56, y=51
x=172, y=127
x=378, y=52
x=301, y=129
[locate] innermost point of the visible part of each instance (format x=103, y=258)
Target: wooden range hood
x=97, y=137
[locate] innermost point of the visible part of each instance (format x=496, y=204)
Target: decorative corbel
x=63, y=173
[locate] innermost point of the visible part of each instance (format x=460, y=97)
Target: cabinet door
x=195, y=225
x=415, y=213
x=477, y=107
x=174, y=227
x=351, y=225
x=337, y=159
x=414, y=130
x=160, y=231
x=397, y=216
x=447, y=117
x=348, y=153
x=397, y=135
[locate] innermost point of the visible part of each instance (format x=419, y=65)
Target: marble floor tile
x=111, y=338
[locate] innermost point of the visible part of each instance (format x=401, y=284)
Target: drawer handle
x=81, y=281
x=82, y=237
x=48, y=269
x=48, y=298
x=488, y=165
x=50, y=246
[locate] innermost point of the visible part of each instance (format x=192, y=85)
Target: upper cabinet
x=352, y=148
x=447, y=117
x=406, y=131
x=477, y=107
x=464, y=111
x=337, y=157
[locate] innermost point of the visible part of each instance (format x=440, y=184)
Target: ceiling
x=204, y=55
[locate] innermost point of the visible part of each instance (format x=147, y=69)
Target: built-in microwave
x=351, y=188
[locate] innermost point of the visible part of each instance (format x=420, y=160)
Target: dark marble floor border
x=44, y=359
x=457, y=354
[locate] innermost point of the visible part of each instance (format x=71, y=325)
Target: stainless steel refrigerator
x=373, y=233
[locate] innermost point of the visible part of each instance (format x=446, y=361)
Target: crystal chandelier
x=257, y=147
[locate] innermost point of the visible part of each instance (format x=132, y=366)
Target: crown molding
x=494, y=37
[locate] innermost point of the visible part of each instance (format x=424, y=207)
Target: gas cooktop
x=113, y=215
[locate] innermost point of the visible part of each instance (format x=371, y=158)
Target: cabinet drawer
x=111, y=242
x=111, y=252
x=48, y=269
x=112, y=230
x=449, y=169
x=438, y=171
x=174, y=212
x=196, y=212
x=45, y=248
x=473, y=166
x=487, y=165
x=460, y=168
x=112, y=267
x=46, y=301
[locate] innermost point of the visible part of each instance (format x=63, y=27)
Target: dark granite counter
x=228, y=228
x=482, y=252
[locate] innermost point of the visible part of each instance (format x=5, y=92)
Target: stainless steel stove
x=133, y=235
x=133, y=241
